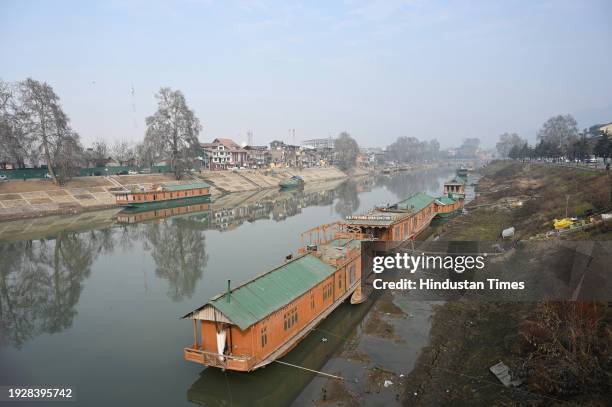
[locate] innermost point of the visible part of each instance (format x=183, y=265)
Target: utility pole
x=292, y=132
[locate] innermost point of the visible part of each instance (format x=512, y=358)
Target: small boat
x=292, y=182
x=163, y=195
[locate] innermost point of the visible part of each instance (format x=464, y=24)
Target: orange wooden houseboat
x=164, y=194
x=253, y=324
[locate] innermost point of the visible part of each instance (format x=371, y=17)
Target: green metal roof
x=183, y=187
x=445, y=200
x=262, y=296
x=416, y=202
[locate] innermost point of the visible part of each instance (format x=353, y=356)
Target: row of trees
x=558, y=137
x=411, y=149
x=34, y=128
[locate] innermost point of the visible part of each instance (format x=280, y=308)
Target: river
x=94, y=301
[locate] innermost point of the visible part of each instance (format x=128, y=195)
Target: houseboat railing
x=216, y=359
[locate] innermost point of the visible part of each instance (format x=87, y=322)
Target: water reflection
x=348, y=199
x=178, y=247
x=41, y=282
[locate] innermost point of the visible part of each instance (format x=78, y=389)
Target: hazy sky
x=377, y=69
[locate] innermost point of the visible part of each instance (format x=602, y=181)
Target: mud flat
x=467, y=337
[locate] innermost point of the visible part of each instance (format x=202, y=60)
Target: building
x=319, y=143
x=257, y=156
x=223, y=153
x=215, y=156
x=283, y=155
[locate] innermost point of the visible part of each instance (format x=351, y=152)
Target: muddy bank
x=467, y=337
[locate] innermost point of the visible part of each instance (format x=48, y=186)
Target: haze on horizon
x=377, y=69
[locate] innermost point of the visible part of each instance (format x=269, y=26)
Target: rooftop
x=416, y=202
x=271, y=291
x=445, y=200
x=184, y=187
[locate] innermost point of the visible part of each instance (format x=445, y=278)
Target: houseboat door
x=221, y=343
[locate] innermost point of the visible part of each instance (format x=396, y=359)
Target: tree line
x=35, y=130
x=558, y=137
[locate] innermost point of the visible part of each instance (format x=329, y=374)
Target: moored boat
x=292, y=182
x=258, y=322
x=163, y=195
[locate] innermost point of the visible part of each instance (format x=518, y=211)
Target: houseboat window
x=327, y=291
x=312, y=302
x=290, y=318
x=339, y=281
x=264, y=336
x=352, y=274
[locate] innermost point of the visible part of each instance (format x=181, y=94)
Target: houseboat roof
x=445, y=200
x=388, y=216
x=255, y=300
x=416, y=202
x=184, y=187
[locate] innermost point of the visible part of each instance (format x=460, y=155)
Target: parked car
x=124, y=172
x=132, y=172
x=3, y=177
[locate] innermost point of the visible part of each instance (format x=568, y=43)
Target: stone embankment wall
x=34, y=198
x=248, y=180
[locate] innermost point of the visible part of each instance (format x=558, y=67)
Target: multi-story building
x=223, y=153
x=257, y=156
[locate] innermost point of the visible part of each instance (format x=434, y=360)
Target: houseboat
x=292, y=182
x=163, y=195
x=258, y=322
x=455, y=188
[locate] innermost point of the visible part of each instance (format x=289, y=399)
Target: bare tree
x=99, y=152
x=172, y=131
x=15, y=146
x=43, y=119
x=560, y=131
x=346, y=149
x=507, y=141
x=122, y=152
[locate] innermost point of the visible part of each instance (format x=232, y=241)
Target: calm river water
x=94, y=302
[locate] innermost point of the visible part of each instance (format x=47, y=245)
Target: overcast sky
x=377, y=69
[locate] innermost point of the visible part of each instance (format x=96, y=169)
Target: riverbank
x=467, y=337
x=38, y=198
